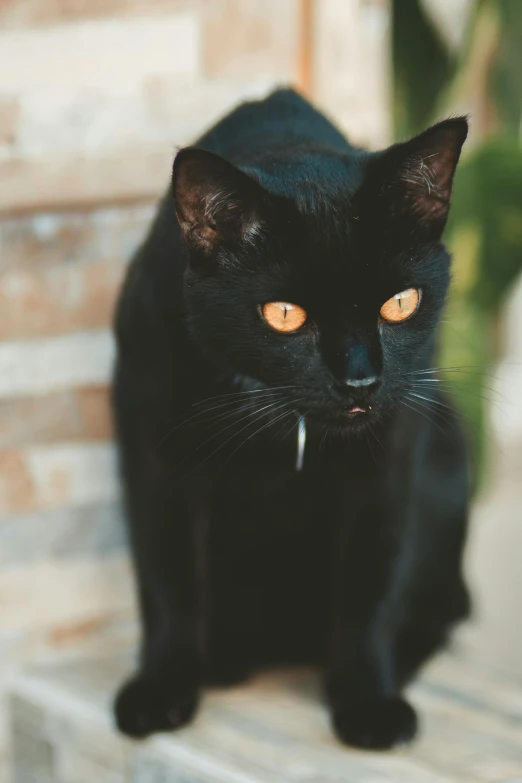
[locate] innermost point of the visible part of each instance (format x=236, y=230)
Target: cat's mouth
x=345, y=416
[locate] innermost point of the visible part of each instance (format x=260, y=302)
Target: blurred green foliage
x=414, y=41
x=484, y=231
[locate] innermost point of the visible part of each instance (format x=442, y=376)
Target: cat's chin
x=350, y=419
x=354, y=418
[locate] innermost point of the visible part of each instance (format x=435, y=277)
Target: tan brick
x=37, y=367
x=86, y=100
x=94, y=413
x=21, y=13
x=48, y=240
x=351, y=66
x=98, y=54
x=74, y=632
x=59, y=300
x=72, y=415
x=53, y=182
x=136, y=138
x=92, y=530
x=251, y=36
x=73, y=474
x=56, y=476
x=17, y=487
x=9, y=116
x=46, y=592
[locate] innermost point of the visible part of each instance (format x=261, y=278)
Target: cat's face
x=332, y=295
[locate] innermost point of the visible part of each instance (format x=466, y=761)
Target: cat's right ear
x=215, y=202
x=416, y=178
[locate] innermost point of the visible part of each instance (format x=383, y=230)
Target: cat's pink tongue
x=356, y=409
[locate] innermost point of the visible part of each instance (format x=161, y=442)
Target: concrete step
x=275, y=729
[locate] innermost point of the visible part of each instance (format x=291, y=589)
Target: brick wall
x=95, y=95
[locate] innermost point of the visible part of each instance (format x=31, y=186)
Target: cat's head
x=332, y=290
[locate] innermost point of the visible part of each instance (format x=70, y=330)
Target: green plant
x=485, y=227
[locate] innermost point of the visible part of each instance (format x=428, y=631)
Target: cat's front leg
x=368, y=710
x=167, y=526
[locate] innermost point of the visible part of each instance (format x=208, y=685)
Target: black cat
x=296, y=486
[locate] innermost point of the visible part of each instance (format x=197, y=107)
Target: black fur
x=354, y=563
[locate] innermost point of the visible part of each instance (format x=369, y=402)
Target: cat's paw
x=378, y=724
x=146, y=705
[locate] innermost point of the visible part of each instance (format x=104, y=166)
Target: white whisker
x=242, y=428
x=201, y=413
x=234, y=423
x=243, y=393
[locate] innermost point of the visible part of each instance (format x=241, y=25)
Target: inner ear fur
x=418, y=174
x=214, y=200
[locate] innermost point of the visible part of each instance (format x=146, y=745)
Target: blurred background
x=95, y=97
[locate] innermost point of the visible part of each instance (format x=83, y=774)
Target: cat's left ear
x=417, y=176
x=215, y=201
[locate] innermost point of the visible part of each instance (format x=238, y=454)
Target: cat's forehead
x=330, y=265
x=327, y=244
x=337, y=280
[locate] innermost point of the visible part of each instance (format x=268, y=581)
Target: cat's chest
x=273, y=500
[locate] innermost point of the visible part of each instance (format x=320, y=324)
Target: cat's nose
x=360, y=367
x=358, y=383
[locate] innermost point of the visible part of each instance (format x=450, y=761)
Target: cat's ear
x=215, y=201
x=417, y=176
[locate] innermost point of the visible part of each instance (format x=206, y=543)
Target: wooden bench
x=275, y=729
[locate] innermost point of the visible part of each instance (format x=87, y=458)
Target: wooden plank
x=274, y=729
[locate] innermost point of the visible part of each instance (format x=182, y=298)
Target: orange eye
x=401, y=306
x=283, y=316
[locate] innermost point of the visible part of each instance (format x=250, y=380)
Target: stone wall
x=94, y=99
